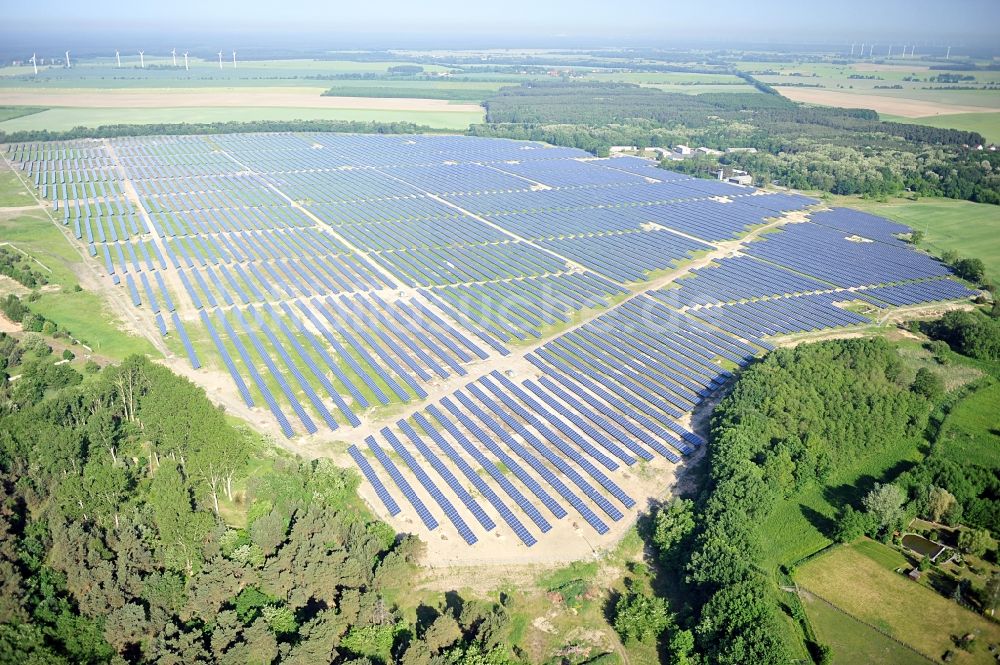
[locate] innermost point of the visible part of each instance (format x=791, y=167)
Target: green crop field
x=971, y=229
x=850, y=578
x=11, y=112
x=160, y=67
x=987, y=124
x=67, y=118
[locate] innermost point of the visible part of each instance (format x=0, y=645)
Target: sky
x=549, y=23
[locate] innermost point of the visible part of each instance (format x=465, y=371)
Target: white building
x=682, y=150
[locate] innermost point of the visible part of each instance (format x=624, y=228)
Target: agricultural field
x=160, y=71
x=95, y=93
x=67, y=118
x=987, y=124
x=686, y=83
x=900, y=88
x=68, y=107
x=860, y=580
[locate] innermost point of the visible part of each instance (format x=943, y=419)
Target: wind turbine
x=173, y=54
x=890, y=52
x=185, y=60
x=118, y=57
x=871, y=51
x=852, y=50
x=862, y=50
x=68, y=65
x=34, y=61
x=220, y=59
x=948, y=54
x=142, y=61
x=234, y=59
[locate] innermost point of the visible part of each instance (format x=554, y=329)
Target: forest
x=140, y=526
x=842, y=151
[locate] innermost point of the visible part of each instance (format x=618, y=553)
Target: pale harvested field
x=306, y=97
x=878, y=67
x=892, y=105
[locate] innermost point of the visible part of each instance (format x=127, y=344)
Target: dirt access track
x=889, y=104
x=220, y=97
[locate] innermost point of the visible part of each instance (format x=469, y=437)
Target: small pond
x=921, y=545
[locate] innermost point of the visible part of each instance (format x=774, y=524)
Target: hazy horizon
x=515, y=24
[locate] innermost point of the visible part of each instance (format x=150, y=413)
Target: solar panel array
x=502, y=287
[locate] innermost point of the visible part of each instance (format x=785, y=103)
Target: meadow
x=852, y=641
x=860, y=579
x=971, y=433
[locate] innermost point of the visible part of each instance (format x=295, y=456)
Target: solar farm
x=506, y=339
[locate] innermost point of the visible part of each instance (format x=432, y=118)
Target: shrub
x=639, y=617
x=928, y=384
